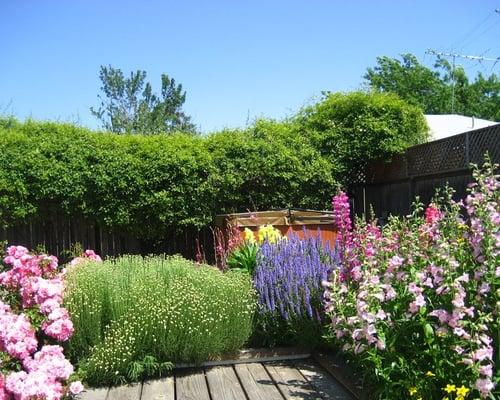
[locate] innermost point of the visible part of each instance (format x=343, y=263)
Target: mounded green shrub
x=132, y=315
x=349, y=129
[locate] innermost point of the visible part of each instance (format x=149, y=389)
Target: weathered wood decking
x=282, y=380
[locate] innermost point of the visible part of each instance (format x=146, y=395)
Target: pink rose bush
x=416, y=301
x=31, y=317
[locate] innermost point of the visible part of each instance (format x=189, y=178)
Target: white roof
x=444, y=125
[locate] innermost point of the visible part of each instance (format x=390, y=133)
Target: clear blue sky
x=234, y=58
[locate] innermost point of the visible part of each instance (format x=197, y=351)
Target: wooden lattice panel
x=356, y=176
x=442, y=155
x=482, y=141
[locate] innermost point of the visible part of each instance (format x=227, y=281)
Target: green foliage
x=351, y=129
x=143, y=185
x=133, y=315
x=267, y=167
x=431, y=89
x=243, y=258
x=128, y=105
x=148, y=185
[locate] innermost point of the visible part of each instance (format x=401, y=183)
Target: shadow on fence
x=57, y=233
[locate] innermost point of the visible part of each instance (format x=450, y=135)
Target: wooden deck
x=283, y=380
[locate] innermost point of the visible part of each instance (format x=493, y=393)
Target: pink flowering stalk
x=225, y=242
x=417, y=300
x=34, y=315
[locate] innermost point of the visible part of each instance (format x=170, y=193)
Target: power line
x=471, y=31
x=457, y=55
x=479, y=35
x=454, y=56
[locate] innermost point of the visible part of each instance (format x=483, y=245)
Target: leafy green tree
x=128, y=105
x=351, y=129
x=411, y=81
x=440, y=90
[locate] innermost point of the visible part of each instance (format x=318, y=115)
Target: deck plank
x=191, y=385
x=257, y=383
x=341, y=371
x=223, y=384
x=328, y=387
x=128, y=392
x=159, y=389
x=291, y=382
x=93, y=394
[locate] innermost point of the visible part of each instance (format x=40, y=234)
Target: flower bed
x=32, y=323
x=135, y=316
x=416, y=302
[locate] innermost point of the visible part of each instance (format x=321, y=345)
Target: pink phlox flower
x=483, y=353
x=428, y=283
x=441, y=314
x=394, y=263
x=17, y=336
x=486, y=370
x=432, y=214
x=484, y=288
x=357, y=334
x=485, y=386
x=390, y=293
x=58, y=326
x=76, y=387
x=17, y=251
x=460, y=332
x=420, y=301
x=414, y=289
x=442, y=290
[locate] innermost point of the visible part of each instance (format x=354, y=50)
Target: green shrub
x=132, y=315
x=349, y=129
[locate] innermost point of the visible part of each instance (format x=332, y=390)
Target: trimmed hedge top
x=145, y=185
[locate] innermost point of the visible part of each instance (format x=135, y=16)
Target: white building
x=444, y=125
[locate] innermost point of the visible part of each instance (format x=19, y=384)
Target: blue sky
x=237, y=60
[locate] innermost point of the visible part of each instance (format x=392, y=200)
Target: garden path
x=284, y=380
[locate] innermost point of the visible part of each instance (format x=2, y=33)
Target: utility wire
x=471, y=31
x=476, y=37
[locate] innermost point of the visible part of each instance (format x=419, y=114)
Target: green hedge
x=132, y=315
x=147, y=185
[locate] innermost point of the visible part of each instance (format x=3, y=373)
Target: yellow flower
x=460, y=398
x=450, y=388
x=446, y=398
x=270, y=233
x=462, y=391
x=412, y=390
x=429, y=373
x=249, y=236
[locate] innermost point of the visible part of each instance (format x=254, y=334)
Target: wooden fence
x=56, y=233
x=391, y=187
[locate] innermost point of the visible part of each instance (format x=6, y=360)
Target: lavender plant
x=288, y=282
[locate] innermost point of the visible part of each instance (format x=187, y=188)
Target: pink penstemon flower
x=435, y=274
